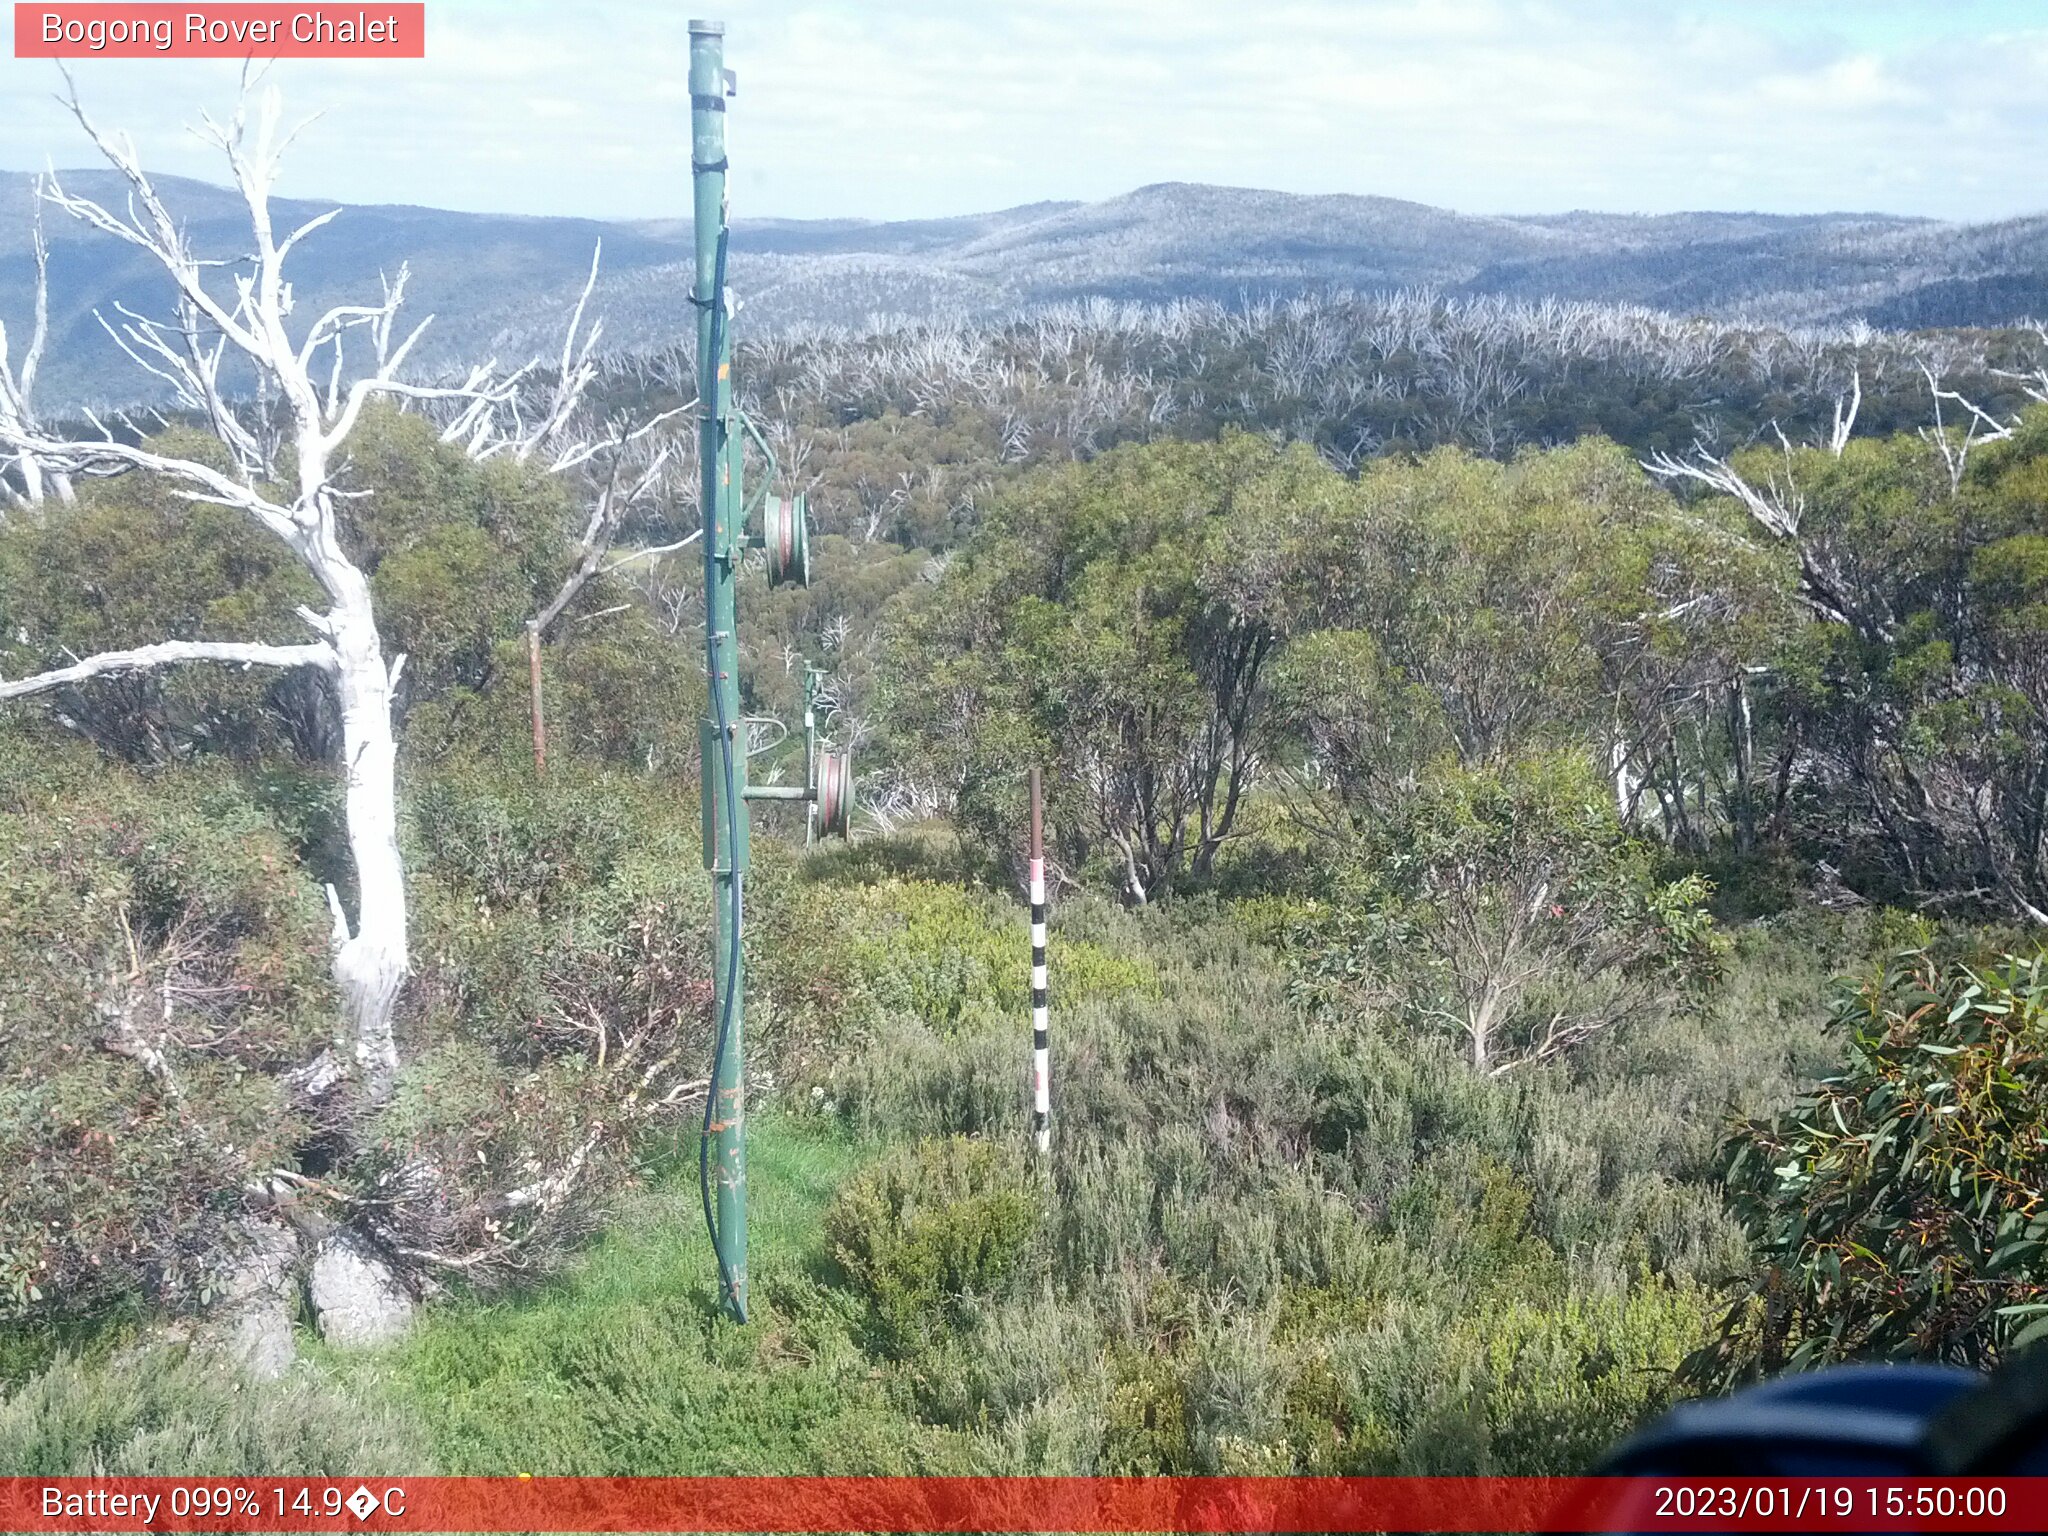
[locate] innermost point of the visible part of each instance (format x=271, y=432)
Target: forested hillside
x=499, y=285
x=1546, y=805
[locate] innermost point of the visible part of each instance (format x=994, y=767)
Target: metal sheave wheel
x=835, y=794
x=785, y=531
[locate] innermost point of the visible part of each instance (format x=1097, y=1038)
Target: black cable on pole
x=729, y=776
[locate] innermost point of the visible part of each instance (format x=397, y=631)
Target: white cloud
x=893, y=108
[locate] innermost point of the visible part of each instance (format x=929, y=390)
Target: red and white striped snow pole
x=1041, y=1038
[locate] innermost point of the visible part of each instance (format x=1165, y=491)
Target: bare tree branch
x=1776, y=506
x=1982, y=427
x=654, y=553
x=169, y=653
x=614, y=499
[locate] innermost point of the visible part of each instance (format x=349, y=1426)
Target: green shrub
x=929, y=1226
x=1005, y=1359
x=132, y=562
x=620, y=693
x=1568, y=1378
x=624, y=692
x=167, y=1412
x=1896, y=1210
x=1509, y=909
x=509, y=840
x=561, y=990
x=162, y=958
x=460, y=553
x=939, y=952
x=1474, y=1212
x=1145, y=1429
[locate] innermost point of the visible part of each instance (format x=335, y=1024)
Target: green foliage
x=166, y=1412
x=1096, y=626
x=1306, y=1251
x=161, y=957
x=510, y=840
x=925, y=1229
x=1153, y=623
x=1474, y=741
x=133, y=563
x=1376, y=731
x=940, y=953
x=1512, y=907
x=1267, y=1246
x=1915, y=701
x=460, y=555
x=1486, y=610
x=562, y=982
x=1896, y=1211
x=624, y=693
x=619, y=694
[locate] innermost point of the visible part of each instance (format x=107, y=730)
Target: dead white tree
x=1776, y=503
x=296, y=500
x=627, y=464
x=621, y=489
x=1845, y=414
x=1778, y=506
x=1978, y=426
x=18, y=381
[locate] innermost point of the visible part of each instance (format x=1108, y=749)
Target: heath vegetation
x=1548, y=875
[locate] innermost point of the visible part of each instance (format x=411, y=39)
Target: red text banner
x=1021, y=1504
x=220, y=31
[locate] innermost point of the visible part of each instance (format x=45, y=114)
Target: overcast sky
x=905, y=108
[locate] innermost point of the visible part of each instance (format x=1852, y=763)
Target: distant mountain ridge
x=501, y=284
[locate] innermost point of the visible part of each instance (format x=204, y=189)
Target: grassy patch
x=623, y=1366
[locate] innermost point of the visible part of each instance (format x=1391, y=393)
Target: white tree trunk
x=371, y=956
x=370, y=964
x=31, y=479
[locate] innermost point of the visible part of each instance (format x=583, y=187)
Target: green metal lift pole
x=724, y=751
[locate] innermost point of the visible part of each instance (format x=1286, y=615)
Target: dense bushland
x=1444, y=846
x=167, y=1034
x=164, y=992
x=162, y=960
x=1276, y=1235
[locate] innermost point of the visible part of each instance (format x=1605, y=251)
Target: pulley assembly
x=827, y=789
x=786, y=536
x=835, y=795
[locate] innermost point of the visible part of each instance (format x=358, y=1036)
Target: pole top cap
x=708, y=28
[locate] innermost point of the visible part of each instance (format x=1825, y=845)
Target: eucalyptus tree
x=1453, y=609
x=1510, y=905
x=1913, y=701
x=1110, y=622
